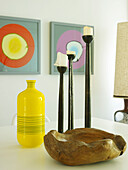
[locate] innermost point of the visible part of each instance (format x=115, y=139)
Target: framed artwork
x=19, y=45
x=65, y=36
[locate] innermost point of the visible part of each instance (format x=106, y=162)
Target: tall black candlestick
x=87, y=39
x=61, y=70
x=70, y=93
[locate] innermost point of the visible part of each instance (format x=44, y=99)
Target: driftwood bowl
x=83, y=146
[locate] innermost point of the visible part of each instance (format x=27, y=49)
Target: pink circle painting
x=73, y=40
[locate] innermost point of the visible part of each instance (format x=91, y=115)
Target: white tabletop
x=14, y=157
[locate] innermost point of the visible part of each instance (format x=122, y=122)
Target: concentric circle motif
x=72, y=40
x=77, y=47
x=16, y=45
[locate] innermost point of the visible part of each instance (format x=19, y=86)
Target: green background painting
x=56, y=30
x=33, y=26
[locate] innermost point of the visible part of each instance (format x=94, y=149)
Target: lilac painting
x=68, y=37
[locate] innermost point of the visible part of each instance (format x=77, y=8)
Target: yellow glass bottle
x=30, y=116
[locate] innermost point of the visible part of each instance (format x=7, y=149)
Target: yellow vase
x=30, y=116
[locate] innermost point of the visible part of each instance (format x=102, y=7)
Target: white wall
x=104, y=15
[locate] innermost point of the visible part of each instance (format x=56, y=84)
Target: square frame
x=30, y=31
x=58, y=43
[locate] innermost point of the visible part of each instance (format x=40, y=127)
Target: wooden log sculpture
x=83, y=146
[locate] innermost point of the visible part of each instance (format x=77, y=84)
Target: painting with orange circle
x=19, y=45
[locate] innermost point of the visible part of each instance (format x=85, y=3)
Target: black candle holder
x=61, y=70
x=87, y=39
x=70, y=92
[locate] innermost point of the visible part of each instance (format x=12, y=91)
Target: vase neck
x=31, y=83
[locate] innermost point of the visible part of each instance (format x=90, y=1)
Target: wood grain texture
x=83, y=146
